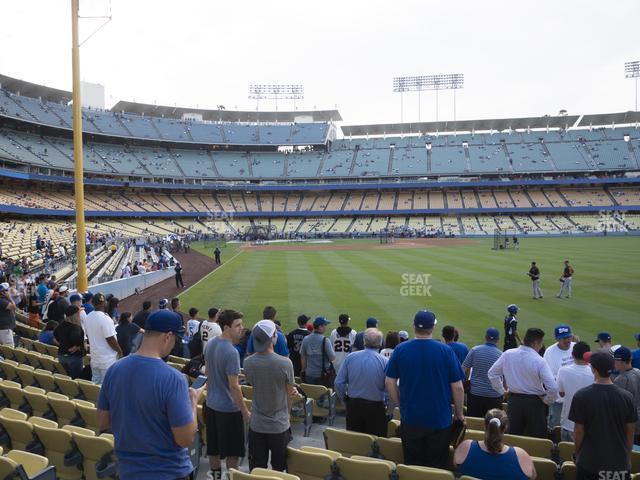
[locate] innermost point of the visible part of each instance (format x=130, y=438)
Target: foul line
x=212, y=272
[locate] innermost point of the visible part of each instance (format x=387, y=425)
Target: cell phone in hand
x=199, y=382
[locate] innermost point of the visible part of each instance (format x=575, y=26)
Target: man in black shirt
x=534, y=274
x=605, y=420
x=141, y=317
x=294, y=342
x=178, y=270
x=70, y=338
x=216, y=254
x=511, y=337
x=58, y=307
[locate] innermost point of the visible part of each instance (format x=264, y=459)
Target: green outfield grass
x=470, y=285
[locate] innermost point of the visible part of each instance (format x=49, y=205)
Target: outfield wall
x=327, y=183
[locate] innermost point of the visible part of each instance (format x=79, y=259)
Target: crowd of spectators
x=594, y=396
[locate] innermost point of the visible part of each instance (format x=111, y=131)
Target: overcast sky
x=519, y=58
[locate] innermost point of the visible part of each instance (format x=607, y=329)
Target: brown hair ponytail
x=495, y=424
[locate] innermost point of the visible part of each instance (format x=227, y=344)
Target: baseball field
x=462, y=280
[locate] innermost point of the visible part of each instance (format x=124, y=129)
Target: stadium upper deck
x=35, y=137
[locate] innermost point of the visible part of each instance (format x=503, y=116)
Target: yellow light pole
x=81, y=253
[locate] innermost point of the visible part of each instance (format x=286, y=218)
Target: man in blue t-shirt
x=449, y=334
x=358, y=343
x=635, y=355
x=430, y=380
x=149, y=407
x=88, y=306
x=281, y=348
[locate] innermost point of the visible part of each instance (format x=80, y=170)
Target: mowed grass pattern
x=471, y=285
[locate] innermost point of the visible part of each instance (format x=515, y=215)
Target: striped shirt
x=479, y=360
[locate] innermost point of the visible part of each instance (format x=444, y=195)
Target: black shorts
x=225, y=433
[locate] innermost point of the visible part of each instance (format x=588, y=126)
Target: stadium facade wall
x=345, y=185
x=125, y=287
x=321, y=213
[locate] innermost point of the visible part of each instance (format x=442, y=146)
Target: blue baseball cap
x=562, y=331
x=637, y=335
x=165, y=321
x=87, y=297
x=372, y=322
x=424, y=319
x=320, y=321
x=622, y=354
x=492, y=333
x=163, y=303
x=603, y=337
x=76, y=297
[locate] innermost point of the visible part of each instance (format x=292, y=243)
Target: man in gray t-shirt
x=225, y=411
x=271, y=376
x=224, y=360
x=311, y=352
x=628, y=379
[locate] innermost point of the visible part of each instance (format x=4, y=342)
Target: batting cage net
x=387, y=236
x=504, y=239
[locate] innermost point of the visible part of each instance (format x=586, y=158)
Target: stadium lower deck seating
x=135, y=200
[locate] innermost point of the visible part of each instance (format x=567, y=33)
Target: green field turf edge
x=469, y=286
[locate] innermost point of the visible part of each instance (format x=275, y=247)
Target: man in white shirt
x=101, y=333
x=530, y=385
x=210, y=328
x=126, y=270
x=558, y=355
x=342, y=339
x=572, y=378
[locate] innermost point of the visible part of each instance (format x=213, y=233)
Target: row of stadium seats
x=360, y=161
x=132, y=201
x=75, y=452
x=157, y=128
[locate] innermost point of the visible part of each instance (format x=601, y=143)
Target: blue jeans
x=73, y=364
x=555, y=412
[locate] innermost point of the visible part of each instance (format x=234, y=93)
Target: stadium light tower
x=632, y=70
x=274, y=91
x=450, y=81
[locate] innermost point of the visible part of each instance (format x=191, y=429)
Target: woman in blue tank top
x=491, y=459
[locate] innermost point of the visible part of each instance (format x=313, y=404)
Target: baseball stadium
x=305, y=211
x=332, y=226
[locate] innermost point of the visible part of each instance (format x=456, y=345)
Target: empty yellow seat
x=363, y=469
x=413, y=472
x=348, y=443
x=310, y=465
